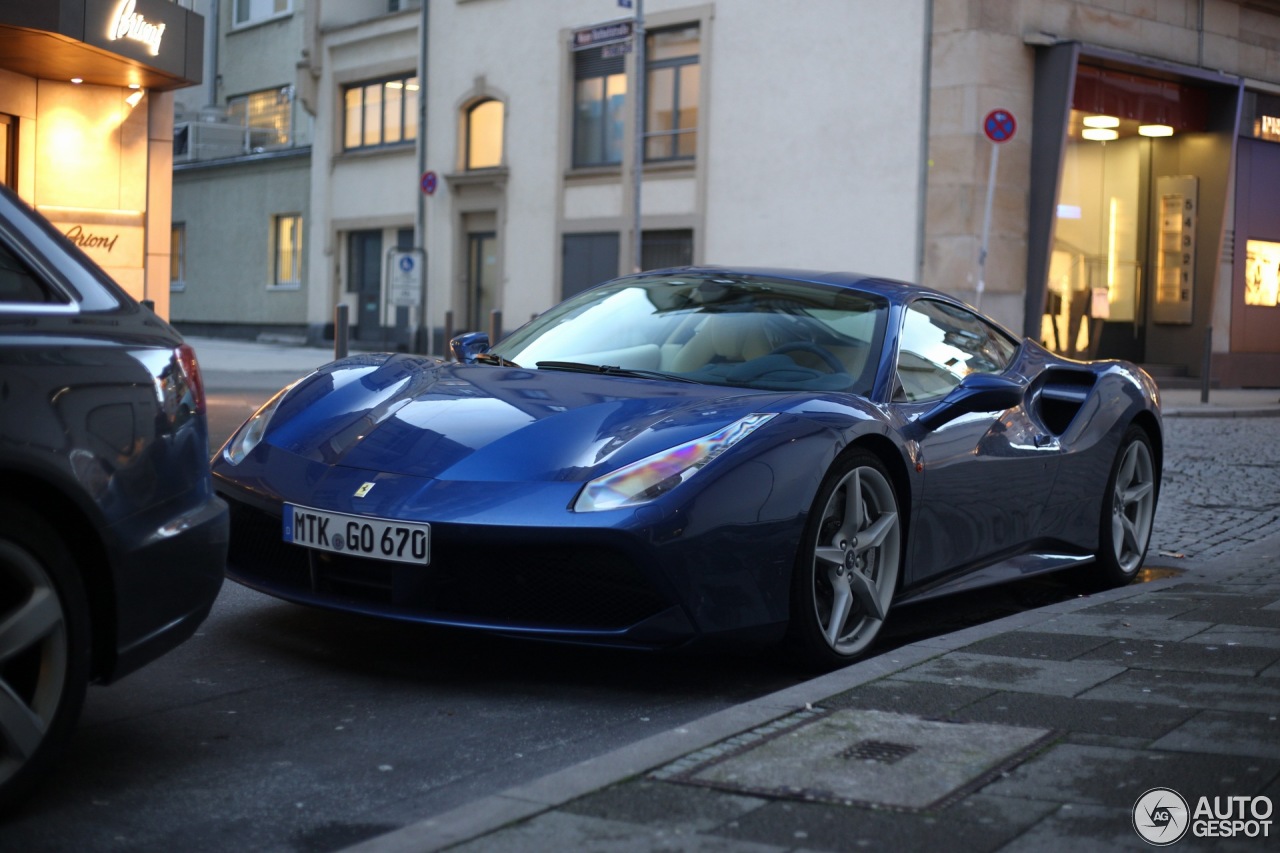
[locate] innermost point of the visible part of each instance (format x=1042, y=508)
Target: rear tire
x=44, y=649
x=1128, y=511
x=847, y=564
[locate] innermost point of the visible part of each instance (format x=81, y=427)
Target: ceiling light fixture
x=77, y=80
x=1155, y=130
x=1101, y=121
x=1099, y=134
x=135, y=97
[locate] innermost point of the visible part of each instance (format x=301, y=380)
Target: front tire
x=1128, y=511
x=848, y=563
x=44, y=649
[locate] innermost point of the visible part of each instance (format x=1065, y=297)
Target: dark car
x=697, y=454
x=112, y=541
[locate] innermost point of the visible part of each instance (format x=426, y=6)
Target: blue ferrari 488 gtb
x=697, y=454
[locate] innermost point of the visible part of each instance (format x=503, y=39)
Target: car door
x=985, y=473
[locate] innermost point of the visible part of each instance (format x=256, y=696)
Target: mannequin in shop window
x=1077, y=316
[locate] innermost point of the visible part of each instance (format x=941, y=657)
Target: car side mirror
x=977, y=392
x=467, y=346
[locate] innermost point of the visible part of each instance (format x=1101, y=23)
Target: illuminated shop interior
x=1124, y=226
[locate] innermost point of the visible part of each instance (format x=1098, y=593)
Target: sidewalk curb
x=481, y=817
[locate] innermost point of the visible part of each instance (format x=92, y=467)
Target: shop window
x=484, y=134
x=252, y=11
x=671, y=93
x=178, y=256
x=1262, y=273
x=1261, y=116
x=8, y=156
x=380, y=112
x=287, y=235
x=599, y=107
x=1098, y=270
x=266, y=116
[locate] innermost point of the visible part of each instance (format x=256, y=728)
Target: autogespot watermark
x=1162, y=817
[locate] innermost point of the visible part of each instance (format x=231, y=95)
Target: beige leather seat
x=723, y=338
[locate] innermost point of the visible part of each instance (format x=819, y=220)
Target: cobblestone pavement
x=1168, y=685
x=1221, y=487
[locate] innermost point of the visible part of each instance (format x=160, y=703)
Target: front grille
x=546, y=585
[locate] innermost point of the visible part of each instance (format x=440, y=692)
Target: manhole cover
x=875, y=757
x=878, y=750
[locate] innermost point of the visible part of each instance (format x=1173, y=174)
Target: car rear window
x=17, y=284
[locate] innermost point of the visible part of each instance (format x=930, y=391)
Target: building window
x=253, y=11
x=599, y=107
x=266, y=115
x=662, y=249
x=178, y=256
x=380, y=112
x=587, y=260
x=484, y=135
x=671, y=93
x=288, y=250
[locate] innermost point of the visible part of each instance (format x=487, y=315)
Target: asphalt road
x=284, y=728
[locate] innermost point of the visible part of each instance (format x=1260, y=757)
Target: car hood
x=419, y=417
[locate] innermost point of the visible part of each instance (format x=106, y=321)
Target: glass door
x=482, y=275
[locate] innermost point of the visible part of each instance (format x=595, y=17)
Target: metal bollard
x=495, y=326
x=340, y=331
x=448, y=334
x=1206, y=364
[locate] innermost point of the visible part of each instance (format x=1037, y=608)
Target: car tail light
x=186, y=357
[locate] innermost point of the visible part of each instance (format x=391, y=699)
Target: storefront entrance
x=1125, y=226
x=1133, y=229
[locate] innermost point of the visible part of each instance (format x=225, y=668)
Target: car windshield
x=736, y=330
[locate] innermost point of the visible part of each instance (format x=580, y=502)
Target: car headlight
x=252, y=430
x=655, y=475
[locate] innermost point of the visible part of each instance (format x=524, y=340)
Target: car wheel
x=44, y=649
x=1128, y=511
x=847, y=566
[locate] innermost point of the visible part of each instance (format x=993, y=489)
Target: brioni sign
x=113, y=239
x=129, y=23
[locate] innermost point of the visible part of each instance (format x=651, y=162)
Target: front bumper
x=526, y=581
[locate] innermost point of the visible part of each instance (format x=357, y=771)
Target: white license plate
x=360, y=535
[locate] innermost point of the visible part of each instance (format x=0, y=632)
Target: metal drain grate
x=878, y=750
x=876, y=758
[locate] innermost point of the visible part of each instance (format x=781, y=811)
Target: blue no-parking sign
x=999, y=125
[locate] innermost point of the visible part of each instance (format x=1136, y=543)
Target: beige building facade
x=472, y=162
x=86, y=125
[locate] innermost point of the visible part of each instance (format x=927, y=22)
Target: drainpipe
x=423, y=342
x=213, y=35
x=922, y=169
x=637, y=165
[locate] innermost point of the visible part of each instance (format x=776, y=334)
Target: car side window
x=17, y=284
x=941, y=344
